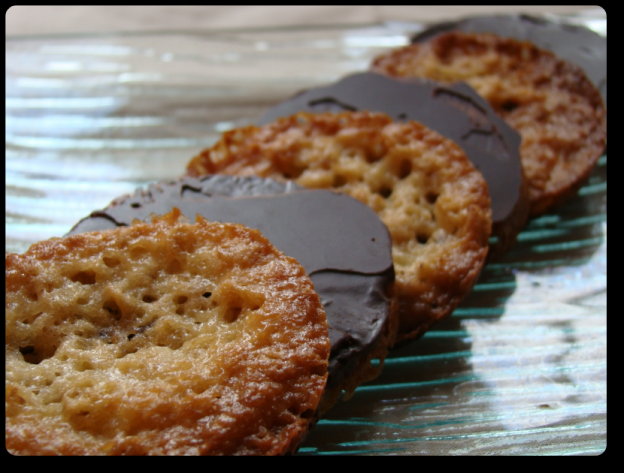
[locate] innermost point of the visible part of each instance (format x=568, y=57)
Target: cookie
x=161, y=338
x=340, y=242
x=550, y=102
x=456, y=112
x=573, y=43
x=432, y=199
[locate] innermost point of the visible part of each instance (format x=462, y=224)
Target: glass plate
x=520, y=366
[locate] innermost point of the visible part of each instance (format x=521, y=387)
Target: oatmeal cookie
x=161, y=338
x=557, y=110
x=432, y=199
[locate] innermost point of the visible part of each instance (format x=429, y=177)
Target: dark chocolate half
x=341, y=243
x=455, y=111
x=575, y=44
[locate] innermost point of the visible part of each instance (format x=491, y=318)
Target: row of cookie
x=95, y=318
x=432, y=203
x=553, y=132
x=422, y=186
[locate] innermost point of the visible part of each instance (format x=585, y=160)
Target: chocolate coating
x=575, y=44
x=340, y=242
x=456, y=112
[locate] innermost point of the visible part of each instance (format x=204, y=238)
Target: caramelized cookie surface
x=432, y=199
x=573, y=43
x=551, y=103
x=456, y=112
x=164, y=338
x=340, y=242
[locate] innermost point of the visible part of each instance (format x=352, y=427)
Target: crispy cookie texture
x=341, y=243
x=432, y=199
x=550, y=102
x=161, y=338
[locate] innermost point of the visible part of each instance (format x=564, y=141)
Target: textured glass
x=519, y=368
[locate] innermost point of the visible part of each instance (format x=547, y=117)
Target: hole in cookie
x=149, y=299
x=110, y=262
x=113, y=309
x=339, y=180
x=49, y=287
x=385, y=192
x=198, y=389
x=422, y=238
x=135, y=205
x=35, y=356
x=174, y=267
x=510, y=105
x=181, y=299
x=377, y=154
x=431, y=197
x=84, y=277
x=84, y=366
x=32, y=318
x=27, y=350
x=33, y=297
x=131, y=336
x=307, y=414
x=18, y=399
x=82, y=300
x=137, y=252
x=180, y=310
x=405, y=169
x=232, y=313
x=207, y=294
